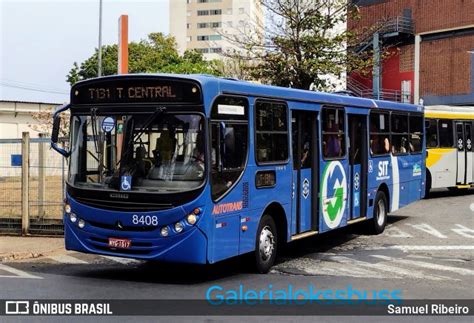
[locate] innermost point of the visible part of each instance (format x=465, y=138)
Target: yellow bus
x=450, y=155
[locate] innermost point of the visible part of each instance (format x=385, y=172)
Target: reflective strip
x=396, y=184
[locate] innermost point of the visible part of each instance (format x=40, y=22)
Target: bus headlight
x=191, y=219
x=81, y=224
x=178, y=227
x=67, y=208
x=73, y=217
x=164, y=231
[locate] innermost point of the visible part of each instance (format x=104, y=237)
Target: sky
x=40, y=40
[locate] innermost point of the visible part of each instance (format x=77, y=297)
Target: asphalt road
x=426, y=252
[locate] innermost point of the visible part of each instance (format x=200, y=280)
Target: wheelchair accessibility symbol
x=126, y=183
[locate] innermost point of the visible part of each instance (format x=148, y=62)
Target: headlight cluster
x=73, y=217
x=179, y=226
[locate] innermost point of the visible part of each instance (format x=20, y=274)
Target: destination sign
x=136, y=91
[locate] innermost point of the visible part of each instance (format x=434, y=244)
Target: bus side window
x=399, y=127
x=431, y=133
x=446, y=135
x=271, y=132
x=333, y=128
x=379, y=133
x=416, y=133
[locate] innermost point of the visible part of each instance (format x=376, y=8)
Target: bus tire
x=378, y=222
x=266, y=244
x=428, y=184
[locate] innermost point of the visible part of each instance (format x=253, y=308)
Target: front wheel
x=377, y=224
x=266, y=244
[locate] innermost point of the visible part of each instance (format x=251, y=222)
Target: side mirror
x=55, y=132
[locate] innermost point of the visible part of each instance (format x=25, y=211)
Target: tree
x=156, y=54
x=44, y=123
x=304, y=40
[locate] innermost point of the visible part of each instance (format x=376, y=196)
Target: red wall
x=392, y=77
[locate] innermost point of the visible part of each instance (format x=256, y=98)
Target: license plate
x=120, y=243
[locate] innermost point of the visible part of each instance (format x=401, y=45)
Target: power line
x=31, y=87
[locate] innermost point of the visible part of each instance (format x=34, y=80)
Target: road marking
x=419, y=257
x=66, y=259
x=429, y=265
x=426, y=248
x=464, y=231
x=124, y=261
x=387, y=268
x=18, y=273
x=328, y=268
x=395, y=232
x=395, y=272
x=428, y=229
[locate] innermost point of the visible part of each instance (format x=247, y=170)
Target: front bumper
x=187, y=247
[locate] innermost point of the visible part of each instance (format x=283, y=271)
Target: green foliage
x=305, y=40
x=157, y=54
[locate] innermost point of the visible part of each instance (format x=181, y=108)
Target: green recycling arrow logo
x=333, y=206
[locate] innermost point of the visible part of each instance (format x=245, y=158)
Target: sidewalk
x=17, y=248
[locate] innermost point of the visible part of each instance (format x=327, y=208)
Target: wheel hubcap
x=381, y=213
x=266, y=243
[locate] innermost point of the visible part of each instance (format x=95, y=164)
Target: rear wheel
x=378, y=222
x=266, y=244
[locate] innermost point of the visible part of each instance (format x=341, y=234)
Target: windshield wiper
x=133, y=137
x=98, y=147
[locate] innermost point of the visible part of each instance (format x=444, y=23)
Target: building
x=17, y=117
x=431, y=55
x=208, y=25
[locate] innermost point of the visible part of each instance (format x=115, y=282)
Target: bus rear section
x=450, y=155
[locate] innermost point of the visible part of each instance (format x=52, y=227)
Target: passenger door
x=358, y=159
x=305, y=170
x=465, y=152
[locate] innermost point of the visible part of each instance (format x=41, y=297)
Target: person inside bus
x=306, y=157
x=386, y=144
x=165, y=148
x=140, y=167
x=403, y=145
x=333, y=144
x=378, y=146
x=198, y=156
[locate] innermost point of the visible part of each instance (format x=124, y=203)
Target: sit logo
x=383, y=170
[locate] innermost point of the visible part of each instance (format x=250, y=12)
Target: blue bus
x=197, y=169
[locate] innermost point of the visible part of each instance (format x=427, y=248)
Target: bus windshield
x=154, y=152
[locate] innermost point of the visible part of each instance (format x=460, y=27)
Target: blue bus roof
x=233, y=86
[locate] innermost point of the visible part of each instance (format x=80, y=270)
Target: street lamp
x=100, y=40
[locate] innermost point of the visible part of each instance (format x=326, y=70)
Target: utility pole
x=25, y=183
x=123, y=45
x=100, y=40
x=377, y=72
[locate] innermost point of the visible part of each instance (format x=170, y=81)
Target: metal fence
x=31, y=189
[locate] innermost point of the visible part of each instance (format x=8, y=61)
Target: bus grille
x=123, y=228
x=123, y=205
